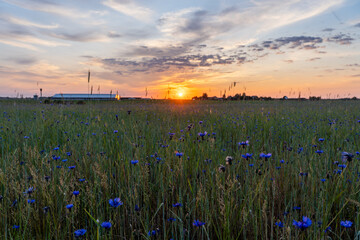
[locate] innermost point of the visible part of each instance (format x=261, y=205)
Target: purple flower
x=30, y=190
x=69, y=206
x=266, y=156
x=115, y=202
x=302, y=225
x=177, y=205
x=279, y=224
x=319, y=151
x=244, y=144
x=106, y=225
x=346, y=224
x=79, y=233
x=198, y=223
x=134, y=162
x=247, y=155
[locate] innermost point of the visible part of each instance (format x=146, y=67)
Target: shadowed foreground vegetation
x=50, y=151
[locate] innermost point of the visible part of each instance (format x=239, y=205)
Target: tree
x=204, y=96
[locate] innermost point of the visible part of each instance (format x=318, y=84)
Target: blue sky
x=270, y=48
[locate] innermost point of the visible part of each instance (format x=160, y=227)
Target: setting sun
x=180, y=94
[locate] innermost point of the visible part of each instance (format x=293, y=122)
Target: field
x=63, y=168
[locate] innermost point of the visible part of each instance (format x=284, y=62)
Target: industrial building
x=82, y=96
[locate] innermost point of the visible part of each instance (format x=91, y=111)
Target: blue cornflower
x=251, y=164
x=179, y=154
x=282, y=161
x=302, y=225
x=16, y=227
x=72, y=167
x=342, y=165
x=202, y=134
x=323, y=179
x=153, y=232
x=137, y=208
x=76, y=193
x=346, y=224
x=115, y=202
x=106, y=225
x=57, y=148
x=300, y=149
x=171, y=219
x=321, y=139
x=69, y=206
x=319, y=151
x=31, y=200
x=80, y=232
x=64, y=160
x=82, y=180
x=279, y=224
x=247, y=155
x=327, y=229
x=58, y=166
x=177, y=205
x=198, y=223
x=266, y=156
x=244, y=144
x=30, y=190
x=134, y=162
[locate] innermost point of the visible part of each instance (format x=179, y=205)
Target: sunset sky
x=268, y=47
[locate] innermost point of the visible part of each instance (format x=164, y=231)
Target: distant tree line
x=244, y=97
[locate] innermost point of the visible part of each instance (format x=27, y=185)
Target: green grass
x=244, y=202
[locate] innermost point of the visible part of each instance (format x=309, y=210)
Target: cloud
x=341, y=39
x=113, y=34
x=23, y=60
x=24, y=39
x=52, y=7
x=26, y=23
x=18, y=44
x=130, y=8
x=328, y=29
x=313, y=59
x=162, y=64
x=357, y=25
x=353, y=65
x=301, y=42
x=89, y=36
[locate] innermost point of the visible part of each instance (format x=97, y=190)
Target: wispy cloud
x=25, y=39
x=26, y=23
x=89, y=36
x=341, y=38
x=52, y=7
x=23, y=60
x=130, y=8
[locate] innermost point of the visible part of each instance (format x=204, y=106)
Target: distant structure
x=81, y=96
x=84, y=96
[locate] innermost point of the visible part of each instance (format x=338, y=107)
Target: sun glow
x=180, y=94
